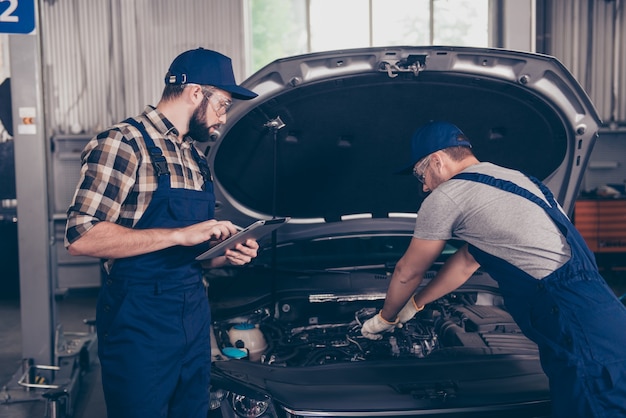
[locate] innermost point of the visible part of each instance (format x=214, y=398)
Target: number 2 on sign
x=7, y=15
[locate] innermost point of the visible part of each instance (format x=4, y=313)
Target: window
x=281, y=28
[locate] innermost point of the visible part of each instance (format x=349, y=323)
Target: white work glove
x=408, y=312
x=373, y=327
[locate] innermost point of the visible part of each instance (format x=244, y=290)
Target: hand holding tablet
x=255, y=231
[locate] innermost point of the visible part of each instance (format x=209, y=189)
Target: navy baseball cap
x=207, y=68
x=432, y=137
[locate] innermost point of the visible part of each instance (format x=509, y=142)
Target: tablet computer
x=255, y=231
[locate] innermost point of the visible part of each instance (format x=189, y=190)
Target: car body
x=321, y=145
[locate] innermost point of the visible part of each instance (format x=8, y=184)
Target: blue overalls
x=573, y=316
x=153, y=315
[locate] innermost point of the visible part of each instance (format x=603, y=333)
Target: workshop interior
x=69, y=69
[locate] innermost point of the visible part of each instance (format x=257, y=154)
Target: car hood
x=322, y=141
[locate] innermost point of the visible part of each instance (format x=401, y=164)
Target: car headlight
x=247, y=407
x=216, y=397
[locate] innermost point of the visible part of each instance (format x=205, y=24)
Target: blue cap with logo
x=207, y=68
x=432, y=137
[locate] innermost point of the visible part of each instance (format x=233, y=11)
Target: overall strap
x=204, y=166
x=156, y=155
x=573, y=237
x=508, y=186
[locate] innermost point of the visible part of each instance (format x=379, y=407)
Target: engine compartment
x=302, y=333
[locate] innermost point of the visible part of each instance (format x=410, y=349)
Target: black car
x=320, y=145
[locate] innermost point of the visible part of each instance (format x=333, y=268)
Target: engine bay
x=302, y=333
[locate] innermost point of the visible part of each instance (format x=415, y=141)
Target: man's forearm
x=409, y=273
x=109, y=240
x=399, y=288
x=455, y=272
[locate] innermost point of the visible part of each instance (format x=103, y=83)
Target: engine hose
x=282, y=358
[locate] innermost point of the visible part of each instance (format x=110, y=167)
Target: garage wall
x=105, y=60
x=607, y=164
x=589, y=38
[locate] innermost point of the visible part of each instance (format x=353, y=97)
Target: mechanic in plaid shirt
x=145, y=206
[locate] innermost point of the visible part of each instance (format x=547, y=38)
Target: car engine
x=297, y=334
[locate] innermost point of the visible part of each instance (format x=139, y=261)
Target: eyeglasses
x=221, y=107
x=420, y=169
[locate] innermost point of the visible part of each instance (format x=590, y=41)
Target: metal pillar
x=519, y=25
x=31, y=147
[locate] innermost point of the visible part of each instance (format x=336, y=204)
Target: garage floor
x=71, y=310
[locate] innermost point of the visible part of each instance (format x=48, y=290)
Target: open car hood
x=320, y=144
x=322, y=140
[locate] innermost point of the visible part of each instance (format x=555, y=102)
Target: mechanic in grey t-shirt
x=516, y=231
x=499, y=223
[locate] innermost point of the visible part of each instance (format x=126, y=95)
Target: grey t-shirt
x=500, y=223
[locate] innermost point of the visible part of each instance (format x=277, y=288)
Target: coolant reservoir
x=235, y=353
x=250, y=337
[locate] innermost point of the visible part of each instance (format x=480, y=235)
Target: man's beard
x=198, y=128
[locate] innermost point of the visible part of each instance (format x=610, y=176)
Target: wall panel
x=105, y=60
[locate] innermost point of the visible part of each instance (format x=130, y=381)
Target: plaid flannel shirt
x=117, y=178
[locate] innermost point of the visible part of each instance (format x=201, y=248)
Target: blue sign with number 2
x=17, y=16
